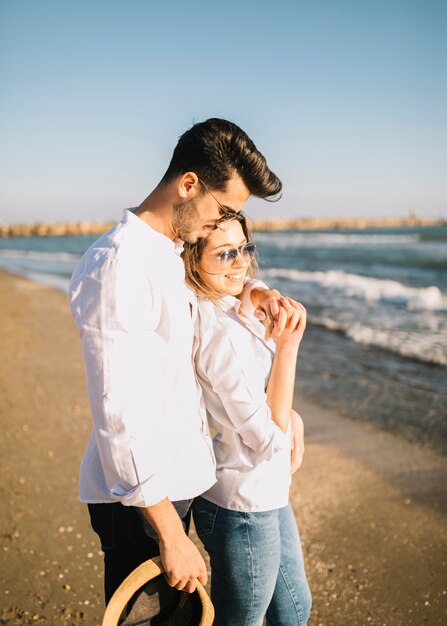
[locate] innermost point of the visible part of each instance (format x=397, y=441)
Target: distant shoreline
x=61, y=229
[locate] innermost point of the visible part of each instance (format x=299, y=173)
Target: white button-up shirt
x=233, y=363
x=150, y=438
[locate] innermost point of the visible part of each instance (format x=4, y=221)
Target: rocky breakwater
x=41, y=229
x=335, y=224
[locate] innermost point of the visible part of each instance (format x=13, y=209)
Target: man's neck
x=156, y=211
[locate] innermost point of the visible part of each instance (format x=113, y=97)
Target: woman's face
x=225, y=275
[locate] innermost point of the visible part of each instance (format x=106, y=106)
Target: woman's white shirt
x=233, y=363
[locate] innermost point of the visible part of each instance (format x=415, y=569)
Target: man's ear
x=188, y=183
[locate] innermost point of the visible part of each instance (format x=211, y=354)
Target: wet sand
x=371, y=506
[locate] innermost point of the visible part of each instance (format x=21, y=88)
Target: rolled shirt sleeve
x=242, y=396
x=127, y=376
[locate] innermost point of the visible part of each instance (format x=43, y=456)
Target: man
x=150, y=452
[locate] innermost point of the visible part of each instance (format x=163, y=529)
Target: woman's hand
x=289, y=327
x=279, y=314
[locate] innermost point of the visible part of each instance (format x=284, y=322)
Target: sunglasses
x=228, y=257
x=226, y=212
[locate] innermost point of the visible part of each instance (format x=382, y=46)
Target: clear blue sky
x=345, y=98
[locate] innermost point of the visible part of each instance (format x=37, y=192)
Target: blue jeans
x=257, y=566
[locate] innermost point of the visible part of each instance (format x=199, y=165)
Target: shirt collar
x=228, y=303
x=129, y=217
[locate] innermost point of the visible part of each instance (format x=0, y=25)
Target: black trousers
x=123, y=541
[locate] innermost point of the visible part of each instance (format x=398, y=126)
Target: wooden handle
x=140, y=576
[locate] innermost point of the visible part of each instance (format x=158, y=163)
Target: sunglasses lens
x=228, y=256
x=249, y=250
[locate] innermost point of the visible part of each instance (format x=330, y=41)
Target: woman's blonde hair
x=192, y=253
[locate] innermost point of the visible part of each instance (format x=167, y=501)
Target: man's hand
x=276, y=311
x=181, y=560
x=296, y=457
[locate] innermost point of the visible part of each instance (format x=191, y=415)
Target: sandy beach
x=371, y=506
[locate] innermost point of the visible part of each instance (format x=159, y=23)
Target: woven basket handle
x=140, y=576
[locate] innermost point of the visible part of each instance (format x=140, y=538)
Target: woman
x=244, y=520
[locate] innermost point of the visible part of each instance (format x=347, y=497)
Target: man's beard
x=185, y=220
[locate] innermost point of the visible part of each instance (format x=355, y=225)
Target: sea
x=375, y=348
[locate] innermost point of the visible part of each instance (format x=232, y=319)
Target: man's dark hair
x=216, y=150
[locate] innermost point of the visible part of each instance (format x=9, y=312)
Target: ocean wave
x=425, y=348
x=367, y=288
x=307, y=239
x=35, y=255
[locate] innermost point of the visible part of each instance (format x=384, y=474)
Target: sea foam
x=422, y=347
x=367, y=288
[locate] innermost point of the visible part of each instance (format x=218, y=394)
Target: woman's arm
x=234, y=397
x=282, y=378
x=297, y=452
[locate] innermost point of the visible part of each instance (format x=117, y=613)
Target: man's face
x=196, y=217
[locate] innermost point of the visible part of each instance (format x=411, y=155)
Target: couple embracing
x=169, y=311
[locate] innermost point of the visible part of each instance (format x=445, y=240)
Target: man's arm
x=127, y=380
x=181, y=559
